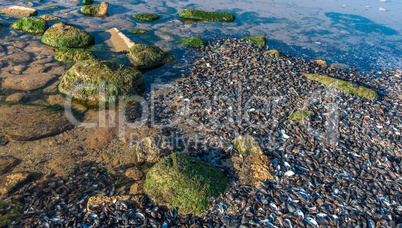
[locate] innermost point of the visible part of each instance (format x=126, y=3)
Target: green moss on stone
x=66, y=35
x=273, y=52
x=184, y=182
x=72, y=55
x=118, y=81
x=246, y=145
x=260, y=41
x=193, y=14
x=139, y=31
x=300, y=116
x=146, y=17
x=8, y=213
x=51, y=7
x=193, y=42
x=33, y=25
x=87, y=2
x=344, y=86
x=147, y=56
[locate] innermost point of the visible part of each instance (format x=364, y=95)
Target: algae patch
x=198, y=15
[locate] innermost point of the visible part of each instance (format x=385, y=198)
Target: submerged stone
x=146, y=17
x=95, y=9
x=19, y=10
x=246, y=145
x=184, y=182
x=260, y=41
x=66, y=35
x=193, y=42
x=139, y=31
x=33, y=25
x=72, y=55
x=147, y=56
x=94, y=74
x=300, y=116
x=49, y=17
x=193, y=14
x=87, y=2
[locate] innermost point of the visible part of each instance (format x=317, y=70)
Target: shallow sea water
x=364, y=34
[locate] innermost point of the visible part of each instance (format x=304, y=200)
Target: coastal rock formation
x=193, y=42
x=199, y=15
x=147, y=17
x=33, y=25
x=147, y=56
x=95, y=9
x=66, y=35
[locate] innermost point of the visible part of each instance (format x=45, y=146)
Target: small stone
x=49, y=17
x=95, y=9
x=255, y=169
x=17, y=97
x=137, y=188
x=146, y=17
x=322, y=63
x=246, y=146
x=7, y=163
x=134, y=173
x=147, y=56
x=150, y=150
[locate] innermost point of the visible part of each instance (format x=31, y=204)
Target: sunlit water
x=361, y=34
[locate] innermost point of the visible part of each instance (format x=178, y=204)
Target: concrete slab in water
x=117, y=40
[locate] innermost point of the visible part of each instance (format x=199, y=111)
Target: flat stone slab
x=117, y=40
x=28, y=82
x=29, y=122
x=19, y=10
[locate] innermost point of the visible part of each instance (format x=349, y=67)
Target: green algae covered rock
x=72, y=55
x=95, y=9
x=147, y=56
x=246, y=145
x=259, y=41
x=66, y=35
x=147, y=17
x=273, y=52
x=192, y=14
x=138, y=31
x=345, y=86
x=117, y=81
x=300, y=116
x=193, y=42
x=8, y=213
x=33, y=25
x=87, y=2
x=184, y=182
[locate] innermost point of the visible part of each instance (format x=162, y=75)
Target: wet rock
x=322, y=63
x=199, y=15
x=133, y=173
x=17, y=97
x=87, y=2
x=150, y=150
x=11, y=181
x=28, y=82
x=255, y=169
x=49, y=17
x=119, y=81
x=101, y=137
x=17, y=58
x=138, y=31
x=25, y=122
x=19, y=10
x=66, y=35
x=234, y=163
x=33, y=25
x=184, y=182
x=147, y=56
x=193, y=42
x=146, y=17
x=273, y=52
x=73, y=55
x=137, y=188
x=95, y=9
x=246, y=145
x=300, y=116
x=260, y=41
x=7, y=163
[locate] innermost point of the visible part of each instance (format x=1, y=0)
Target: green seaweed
x=33, y=25
x=66, y=35
x=147, y=56
x=300, y=116
x=260, y=41
x=147, y=17
x=342, y=85
x=193, y=42
x=72, y=55
x=198, y=15
x=184, y=182
x=87, y=2
x=139, y=31
x=273, y=52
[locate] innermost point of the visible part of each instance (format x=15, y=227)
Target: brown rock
x=18, y=97
x=19, y=10
x=322, y=63
x=49, y=17
x=101, y=137
x=25, y=122
x=137, y=188
x=150, y=150
x=28, y=82
x=255, y=169
x=11, y=181
x=103, y=8
x=18, y=58
x=7, y=163
x=134, y=173
x=234, y=163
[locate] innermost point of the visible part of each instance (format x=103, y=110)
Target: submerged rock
x=256, y=168
x=193, y=42
x=118, y=41
x=87, y=2
x=17, y=97
x=11, y=181
x=117, y=80
x=95, y=9
x=28, y=82
x=72, y=55
x=246, y=145
x=147, y=17
x=33, y=25
x=19, y=10
x=300, y=116
x=193, y=14
x=260, y=41
x=139, y=31
x=273, y=52
x=184, y=182
x=66, y=35
x=49, y=17
x=29, y=122
x=147, y=56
